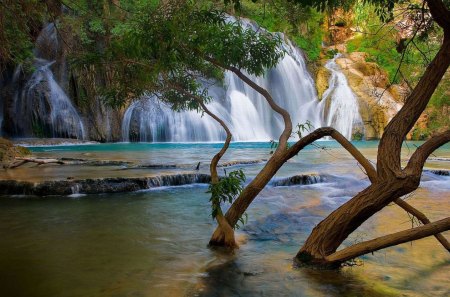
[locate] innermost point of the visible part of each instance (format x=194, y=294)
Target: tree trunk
x=392, y=181
x=329, y=234
x=246, y=197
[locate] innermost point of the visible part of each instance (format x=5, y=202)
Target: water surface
x=153, y=243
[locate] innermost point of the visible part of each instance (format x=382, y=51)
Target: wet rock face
x=322, y=78
x=96, y=186
x=440, y=172
x=304, y=179
x=376, y=103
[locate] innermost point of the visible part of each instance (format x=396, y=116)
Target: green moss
x=382, y=53
x=21, y=151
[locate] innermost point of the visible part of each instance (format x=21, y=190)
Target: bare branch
x=278, y=109
x=419, y=157
x=389, y=240
x=23, y=161
x=423, y=218
x=329, y=131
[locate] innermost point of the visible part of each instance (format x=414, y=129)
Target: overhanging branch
x=278, y=109
x=420, y=156
x=346, y=144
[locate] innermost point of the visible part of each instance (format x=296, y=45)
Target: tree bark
x=250, y=192
x=224, y=232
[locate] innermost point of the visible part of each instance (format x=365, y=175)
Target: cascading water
x=245, y=111
x=41, y=107
x=339, y=104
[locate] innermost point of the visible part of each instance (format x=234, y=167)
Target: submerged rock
x=241, y=162
x=439, y=172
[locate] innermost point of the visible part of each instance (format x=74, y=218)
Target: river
x=154, y=242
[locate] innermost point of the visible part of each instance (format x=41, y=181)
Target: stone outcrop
x=302, y=179
x=322, y=78
x=101, y=185
x=369, y=82
x=8, y=151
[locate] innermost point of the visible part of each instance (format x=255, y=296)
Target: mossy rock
x=21, y=151
x=8, y=152
x=322, y=78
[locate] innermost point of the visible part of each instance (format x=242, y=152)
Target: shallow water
x=153, y=243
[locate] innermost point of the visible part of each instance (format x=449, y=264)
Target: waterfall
x=41, y=108
x=339, y=104
x=244, y=110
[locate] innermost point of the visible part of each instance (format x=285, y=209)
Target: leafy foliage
x=301, y=128
x=163, y=48
x=226, y=190
x=20, y=22
x=301, y=23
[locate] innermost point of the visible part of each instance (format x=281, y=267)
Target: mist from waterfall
x=42, y=108
x=339, y=104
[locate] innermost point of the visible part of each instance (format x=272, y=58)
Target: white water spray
x=339, y=104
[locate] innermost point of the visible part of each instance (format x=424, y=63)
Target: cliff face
x=377, y=104
x=379, y=100
x=45, y=101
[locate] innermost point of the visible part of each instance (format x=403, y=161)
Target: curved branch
x=389, y=240
x=278, y=109
x=390, y=144
x=423, y=218
x=225, y=229
x=215, y=160
x=329, y=131
x=420, y=156
x=440, y=14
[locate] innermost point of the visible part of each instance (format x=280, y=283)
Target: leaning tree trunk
x=392, y=181
x=224, y=231
x=275, y=162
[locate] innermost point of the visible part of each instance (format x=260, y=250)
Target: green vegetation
x=225, y=191
x=302, y=24
x=381, y=51
x=20, y=23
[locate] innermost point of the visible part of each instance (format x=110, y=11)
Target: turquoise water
x=153, y=243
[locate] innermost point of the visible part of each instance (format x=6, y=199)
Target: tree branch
x=225, y=228
x=420, y=156
x=390, y=144
x=23, y=161
x=278, y=109
x=329, y=131
x=422, y=217
x=440, y=14
x=389, y=240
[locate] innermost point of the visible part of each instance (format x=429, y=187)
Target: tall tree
x=389, y=180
